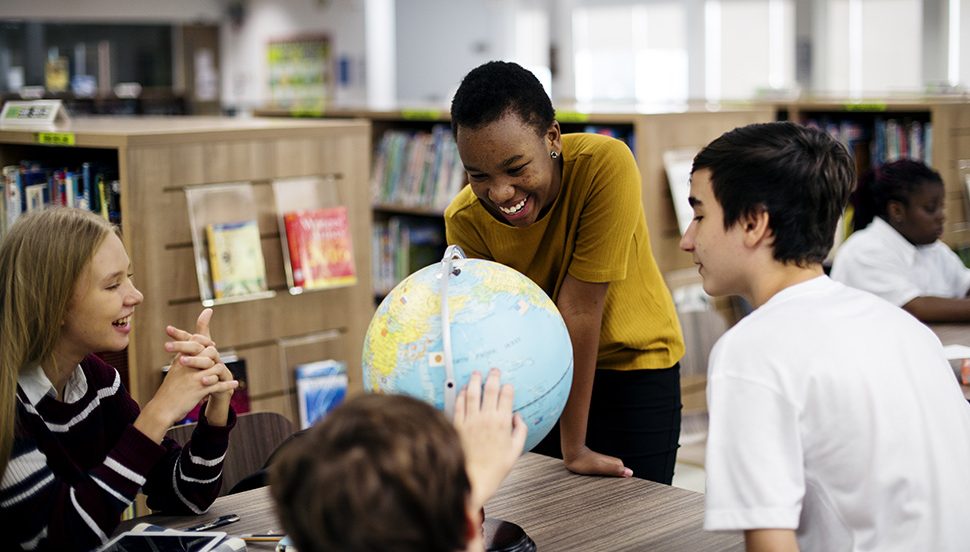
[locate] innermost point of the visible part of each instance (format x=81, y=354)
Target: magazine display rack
x=315, y=234
x=225, y=238
x=157, y=161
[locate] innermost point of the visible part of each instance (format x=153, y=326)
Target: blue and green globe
x=498, y=318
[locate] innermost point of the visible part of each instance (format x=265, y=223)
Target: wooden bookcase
x=950, y=137
x=652, y=134
x=157, y=159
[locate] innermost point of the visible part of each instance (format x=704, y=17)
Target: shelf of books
x=935, y=131
x=247, y=216
x=417, y=171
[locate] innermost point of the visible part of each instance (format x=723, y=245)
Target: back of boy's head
x=895, y=181
x=380, y=472
x=800, y=176
x=495, y=88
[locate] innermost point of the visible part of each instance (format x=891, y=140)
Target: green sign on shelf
x=421, y=114
x=873, y=106
x=315, y=112
x=572, y=117
x=56, y=138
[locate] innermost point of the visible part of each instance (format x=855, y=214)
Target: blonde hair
x=41, y=259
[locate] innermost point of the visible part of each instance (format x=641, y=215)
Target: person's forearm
x=153, y=421
x=939, y=309
x=583, y=321
x=217, y=410
x=770, y=540
x=575, y=416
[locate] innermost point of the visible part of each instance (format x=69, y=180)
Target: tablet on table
x=164, y=541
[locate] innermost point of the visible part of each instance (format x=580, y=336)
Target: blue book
x=320, y=387
x=84, y=188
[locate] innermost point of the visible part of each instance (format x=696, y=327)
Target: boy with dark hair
x=389, y=472
x=835, y=420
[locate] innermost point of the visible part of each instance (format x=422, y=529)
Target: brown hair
x=380, y=472
x=41, y=259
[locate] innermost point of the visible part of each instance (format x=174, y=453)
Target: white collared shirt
x=36, y=385
x=879, y=260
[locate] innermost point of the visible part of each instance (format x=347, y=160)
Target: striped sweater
x=76, y=466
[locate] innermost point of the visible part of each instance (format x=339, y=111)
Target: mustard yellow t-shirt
x=596, y=232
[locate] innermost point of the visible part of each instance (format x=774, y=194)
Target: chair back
x=251, y=442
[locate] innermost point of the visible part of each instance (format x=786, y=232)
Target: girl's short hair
x=493, y=89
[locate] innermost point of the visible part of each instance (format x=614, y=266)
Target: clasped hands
x=196, y=372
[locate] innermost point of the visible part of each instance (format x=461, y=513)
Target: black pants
x=635, y=416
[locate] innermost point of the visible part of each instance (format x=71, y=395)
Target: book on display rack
x=319, y=248
x=235, y=259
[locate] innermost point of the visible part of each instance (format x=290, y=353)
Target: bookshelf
x=649, y=133
x=945, y=125
x=157, y=160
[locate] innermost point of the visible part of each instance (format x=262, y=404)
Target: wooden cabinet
x=157, y=159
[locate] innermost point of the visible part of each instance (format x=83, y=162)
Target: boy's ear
x=755, y=227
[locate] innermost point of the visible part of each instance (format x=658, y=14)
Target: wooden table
x=954, y=334
x=558, y=509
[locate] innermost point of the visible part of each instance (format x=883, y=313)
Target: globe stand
x=498, y=535
x=505, y=536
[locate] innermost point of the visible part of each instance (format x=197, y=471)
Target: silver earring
x=554, y=154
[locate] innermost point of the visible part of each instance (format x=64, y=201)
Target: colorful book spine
x=30, y=185
x=13, y=194
x=103, y=197
x=85, y=187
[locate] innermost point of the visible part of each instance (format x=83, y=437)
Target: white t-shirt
x=836, y=414
x=880, y=260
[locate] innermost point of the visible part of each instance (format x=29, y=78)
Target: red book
x=319, y=246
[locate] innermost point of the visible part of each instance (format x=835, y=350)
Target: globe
x=497, y=318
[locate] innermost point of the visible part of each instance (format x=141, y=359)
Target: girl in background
x=896, y=252
x=75, y=448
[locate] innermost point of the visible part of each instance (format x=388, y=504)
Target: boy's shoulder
x=818, y=308
x=821, y=331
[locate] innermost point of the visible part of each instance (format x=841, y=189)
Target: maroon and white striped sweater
x=76, y=466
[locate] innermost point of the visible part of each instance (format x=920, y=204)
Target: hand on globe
x=492, y=317
x=491, y=436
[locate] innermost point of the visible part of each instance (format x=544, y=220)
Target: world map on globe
x=499, y=318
